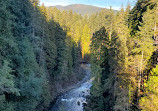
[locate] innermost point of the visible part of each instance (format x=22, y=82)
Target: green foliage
x=149, y=101
x=7, y=87
x=85, y=41
x=40, y=49
x=5, y=105
x=7, y=80
x=122, y=60
x=39, y=52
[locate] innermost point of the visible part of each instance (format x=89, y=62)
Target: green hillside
x=81, y=9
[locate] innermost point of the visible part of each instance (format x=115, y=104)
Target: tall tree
x=85, y=41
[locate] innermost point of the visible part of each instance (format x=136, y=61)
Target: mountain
x=80, y=8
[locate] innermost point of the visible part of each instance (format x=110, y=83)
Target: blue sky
x=116, y=4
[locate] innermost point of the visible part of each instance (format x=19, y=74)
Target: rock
x=78, y=103
x=84, y=104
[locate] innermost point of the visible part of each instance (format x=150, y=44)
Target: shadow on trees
x=37, y=59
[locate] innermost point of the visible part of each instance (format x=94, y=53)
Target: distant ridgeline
x=81, y=9
x=41, y=48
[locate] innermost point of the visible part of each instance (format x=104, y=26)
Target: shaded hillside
x=80, y=9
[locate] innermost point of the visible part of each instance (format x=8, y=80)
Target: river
x=73, y=100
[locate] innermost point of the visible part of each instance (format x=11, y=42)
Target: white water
x=73, y=100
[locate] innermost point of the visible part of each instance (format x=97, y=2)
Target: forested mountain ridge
x=81, y=9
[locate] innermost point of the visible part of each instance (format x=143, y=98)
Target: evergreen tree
x=85, y=41
x=149, y=101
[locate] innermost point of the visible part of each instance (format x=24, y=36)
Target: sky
x=116, y=4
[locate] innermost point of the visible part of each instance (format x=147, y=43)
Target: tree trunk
x=140, y=74
x=155, y=28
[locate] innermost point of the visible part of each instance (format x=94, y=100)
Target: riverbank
x=73, y=99
x=81, y=76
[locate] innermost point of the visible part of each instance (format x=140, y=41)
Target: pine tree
x=110, y=22
x=121, y=59
x=85, y=41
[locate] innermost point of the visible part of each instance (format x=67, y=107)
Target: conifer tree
x=85, y=41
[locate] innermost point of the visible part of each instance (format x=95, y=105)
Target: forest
x=41, y=49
